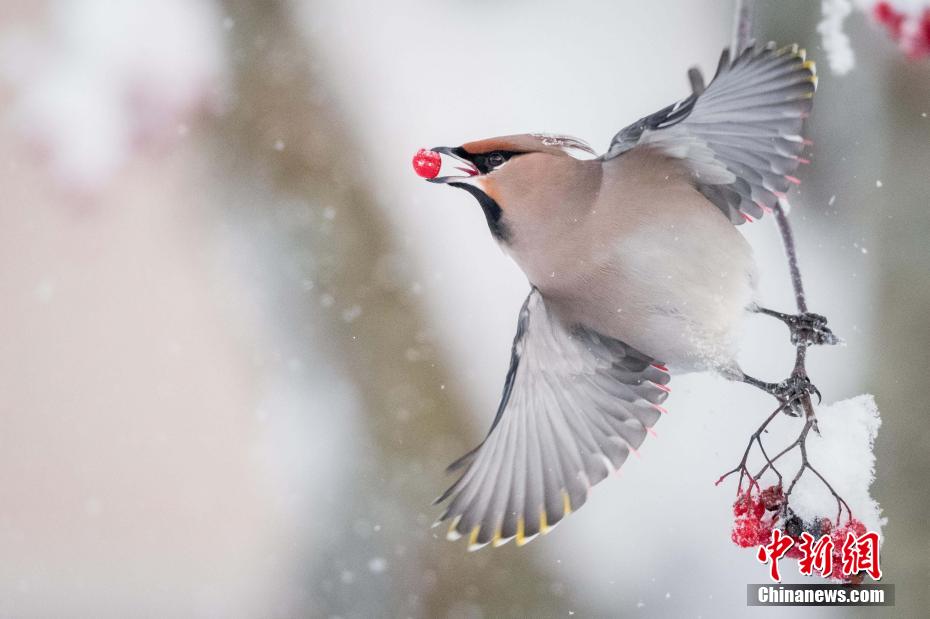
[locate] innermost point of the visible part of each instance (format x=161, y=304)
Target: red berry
x=747, y=532
x=772, y=498
x=856, y=527
x=838, y=535
x=886, y=15
x=765, y=530
x=746, y=504
x=426, y=163
x=917, y=43
x=741, y=505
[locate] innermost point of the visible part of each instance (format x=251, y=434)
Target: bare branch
x=742, y=469
x=742, y=35
x=787, y=238
x=742, y=26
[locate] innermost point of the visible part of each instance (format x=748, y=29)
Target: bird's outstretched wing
x=575, y=404
x=742, y=135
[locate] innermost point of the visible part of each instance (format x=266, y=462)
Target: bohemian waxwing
x=636, y=267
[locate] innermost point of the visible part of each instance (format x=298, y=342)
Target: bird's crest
x=529, y=143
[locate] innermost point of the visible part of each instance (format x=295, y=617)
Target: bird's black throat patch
x=492, y=211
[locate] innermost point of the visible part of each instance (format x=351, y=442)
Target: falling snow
x=377, y=565
x=328, y=456
x=350, y=314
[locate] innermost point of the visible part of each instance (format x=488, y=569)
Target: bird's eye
x=496, y=159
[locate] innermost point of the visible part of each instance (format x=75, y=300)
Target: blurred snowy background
x=241, y=340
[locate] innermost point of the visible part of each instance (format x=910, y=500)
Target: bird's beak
x=460, y=156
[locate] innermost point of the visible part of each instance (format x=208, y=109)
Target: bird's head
x=497, y=170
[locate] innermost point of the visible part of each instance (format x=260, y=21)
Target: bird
x=636, y=271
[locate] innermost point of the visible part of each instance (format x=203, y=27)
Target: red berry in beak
x=426, y=163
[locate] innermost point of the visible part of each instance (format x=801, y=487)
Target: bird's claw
x=810, y=329
x=792, y=392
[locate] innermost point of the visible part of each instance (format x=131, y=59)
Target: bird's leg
x=791, y=392
x=807, y=328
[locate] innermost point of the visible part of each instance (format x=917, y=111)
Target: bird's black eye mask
x=486, y=162
x=477, y=164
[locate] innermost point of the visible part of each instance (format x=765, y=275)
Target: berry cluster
x=838, y=536
x=794, y=526
x=758, y=513
x=910, y=30
x=756, y=516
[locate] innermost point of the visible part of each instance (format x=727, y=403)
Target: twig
x=742, y=34
x=742, y=26
x=742, y=469
x=742, y=31
x=787, y=239
x=801, y=442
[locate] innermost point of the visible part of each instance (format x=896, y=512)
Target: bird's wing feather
x=575, y=403
x=742, y=136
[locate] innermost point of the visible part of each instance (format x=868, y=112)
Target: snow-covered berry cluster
x=838, y=536
x=910, y=29
x=757, y=513
x=794, y=527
